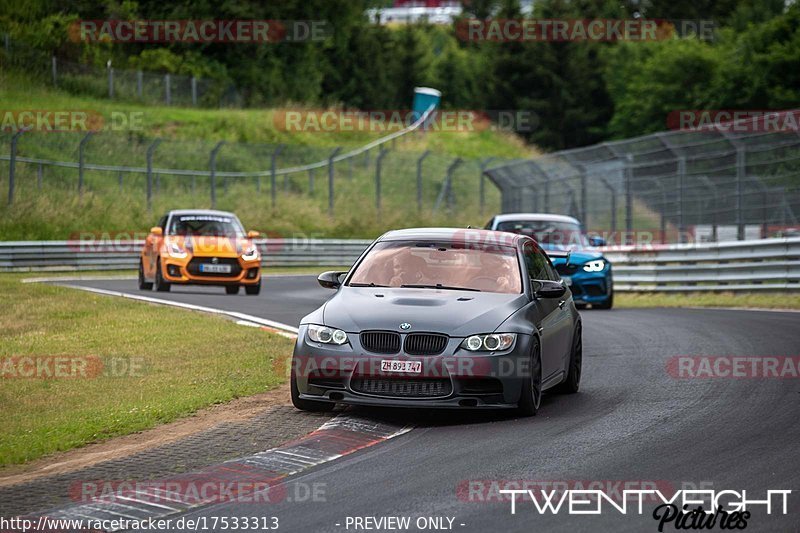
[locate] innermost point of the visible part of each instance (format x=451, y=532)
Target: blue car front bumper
x=587, y=287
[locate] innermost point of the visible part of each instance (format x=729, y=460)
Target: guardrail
x=769, y=264
x=37, y=256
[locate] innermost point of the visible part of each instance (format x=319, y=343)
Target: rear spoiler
x=559, y=254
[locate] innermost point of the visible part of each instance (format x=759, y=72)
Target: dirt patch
x=79, y=458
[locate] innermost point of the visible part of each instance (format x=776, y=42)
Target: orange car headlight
x=176, y=251
x=250, y=253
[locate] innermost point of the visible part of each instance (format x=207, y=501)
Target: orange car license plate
x=215, y=269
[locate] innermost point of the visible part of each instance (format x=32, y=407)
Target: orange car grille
x=194, y=267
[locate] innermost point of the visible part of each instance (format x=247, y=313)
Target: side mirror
x=548, y=289
x=597, y=241
x=253, y=234
x=330, y=279
x=157, y=231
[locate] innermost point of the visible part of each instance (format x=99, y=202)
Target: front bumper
x=591, y=287
x=184, y=270
x=454, y=379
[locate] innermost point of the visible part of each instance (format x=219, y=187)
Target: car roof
x=480, y=235
x=506, y=217
x=200, y=212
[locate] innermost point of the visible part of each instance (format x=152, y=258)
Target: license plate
x=406, y=367
x=215, y=269
x=567, y=280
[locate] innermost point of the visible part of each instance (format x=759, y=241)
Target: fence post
x=54, y=70
x=613, y=204
x=167, y=90
x=740, y=171
x=419, y=179
x=272, y=174
x=119, y=181
x=213, y=177
x=81, y=148
x=139, y=76
x=330, y=180
x=150, y=150
x=194, y=91
x=378, y=163
x=482, y=187
x=39, y=176
x=12, y=165
x=584, y=201
x=715, y=194
x=628, y=199
x=110, y=80
x=662, y=206
x=681, y=197
x=445, y=192
x=546, y=191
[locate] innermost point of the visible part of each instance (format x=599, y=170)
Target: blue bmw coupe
x=585, y=270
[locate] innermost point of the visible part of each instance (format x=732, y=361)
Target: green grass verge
x=55, y=210
x=188, y=361
x=711, y=299
x=255, y=126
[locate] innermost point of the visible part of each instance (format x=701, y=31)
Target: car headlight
x=594, y=266
x=326, y=335
x=176, y=251
x=250, y=253
x=495, y=342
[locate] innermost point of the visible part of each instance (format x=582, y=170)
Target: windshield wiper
x=367, y=285
x=439, y=286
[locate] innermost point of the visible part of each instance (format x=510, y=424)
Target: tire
x=143, y=285
x=580, y=306
x=531, y=396
x=231, y=289
x=573, y=381
x=608, y=304
x=253, y=290
x=161, y=285
x=308, y=405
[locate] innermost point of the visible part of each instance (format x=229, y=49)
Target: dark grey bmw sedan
x=440, y=318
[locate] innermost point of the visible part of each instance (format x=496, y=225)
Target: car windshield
x=440, y=265
x=205, y=225
x=547, y=231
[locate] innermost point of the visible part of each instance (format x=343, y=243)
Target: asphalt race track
x=632, y=421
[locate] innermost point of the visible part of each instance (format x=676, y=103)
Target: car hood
x=455, y=313
x=210, y=246
x=577, y=256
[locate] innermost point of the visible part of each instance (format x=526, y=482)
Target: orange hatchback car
x=200, y=247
